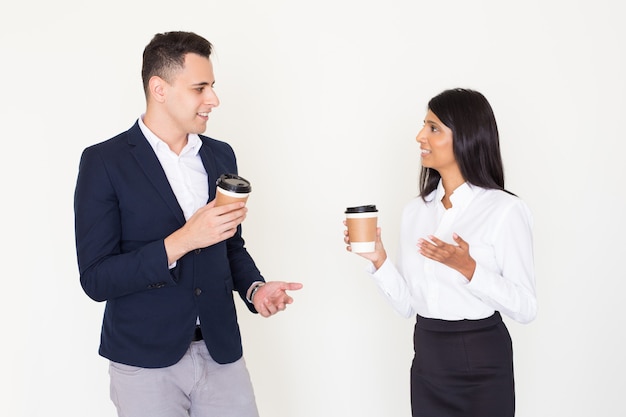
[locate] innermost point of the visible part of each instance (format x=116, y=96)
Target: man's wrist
x=253, y=289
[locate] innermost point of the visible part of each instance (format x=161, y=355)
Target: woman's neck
x=450, y=183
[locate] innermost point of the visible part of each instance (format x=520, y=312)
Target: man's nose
x=211, y=98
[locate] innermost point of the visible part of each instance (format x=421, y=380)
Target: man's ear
x=157, y=88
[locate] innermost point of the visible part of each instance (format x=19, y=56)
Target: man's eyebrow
x=203, y=84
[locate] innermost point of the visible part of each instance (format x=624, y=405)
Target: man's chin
x=198, y=129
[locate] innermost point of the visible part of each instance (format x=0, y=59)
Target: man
x=164, y=260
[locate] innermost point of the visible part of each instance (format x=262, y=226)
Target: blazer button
x=197, y=291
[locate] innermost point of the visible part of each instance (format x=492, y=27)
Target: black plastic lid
x=362, y=209
x=234, y=183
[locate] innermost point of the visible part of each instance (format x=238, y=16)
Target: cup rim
x=232, y=193
x=369, y=208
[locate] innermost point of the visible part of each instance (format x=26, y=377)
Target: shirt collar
x=461, y=197
x=193, y=140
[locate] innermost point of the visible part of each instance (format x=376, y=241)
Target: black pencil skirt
x=462, y=368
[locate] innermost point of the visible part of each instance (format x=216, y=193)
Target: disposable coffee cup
x=232, y=188
x=362, y=222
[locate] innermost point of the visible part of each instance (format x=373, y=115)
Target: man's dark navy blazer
x=124, y=209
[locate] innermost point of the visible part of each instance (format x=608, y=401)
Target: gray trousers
x=196, y=386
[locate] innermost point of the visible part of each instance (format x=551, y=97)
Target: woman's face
x=435, y=141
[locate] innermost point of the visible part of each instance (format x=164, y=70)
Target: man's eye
x=200, y=89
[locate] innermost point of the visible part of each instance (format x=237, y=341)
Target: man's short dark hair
x=166, y=53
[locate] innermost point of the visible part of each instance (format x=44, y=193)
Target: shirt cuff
x=371, y=269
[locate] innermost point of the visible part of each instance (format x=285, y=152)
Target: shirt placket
x=443, y=232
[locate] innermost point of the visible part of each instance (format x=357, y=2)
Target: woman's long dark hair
x=475, y=139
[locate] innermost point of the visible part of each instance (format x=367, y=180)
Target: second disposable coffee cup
x=362, y=222
x=231, y=188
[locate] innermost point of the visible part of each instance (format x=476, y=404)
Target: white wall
x=321, y=101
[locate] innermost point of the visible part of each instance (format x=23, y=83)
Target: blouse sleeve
x=394, y=287
x=511, y=288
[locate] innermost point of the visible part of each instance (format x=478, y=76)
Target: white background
x=322, y=101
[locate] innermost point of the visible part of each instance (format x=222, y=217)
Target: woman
x=465, y=257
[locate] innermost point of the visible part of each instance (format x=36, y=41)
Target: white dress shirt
x=185, y=172
x=498, y=228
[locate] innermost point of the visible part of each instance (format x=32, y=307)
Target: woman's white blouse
x=498, y=228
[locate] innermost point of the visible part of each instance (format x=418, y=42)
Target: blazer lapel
x=208, y=160
x=149, y=163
